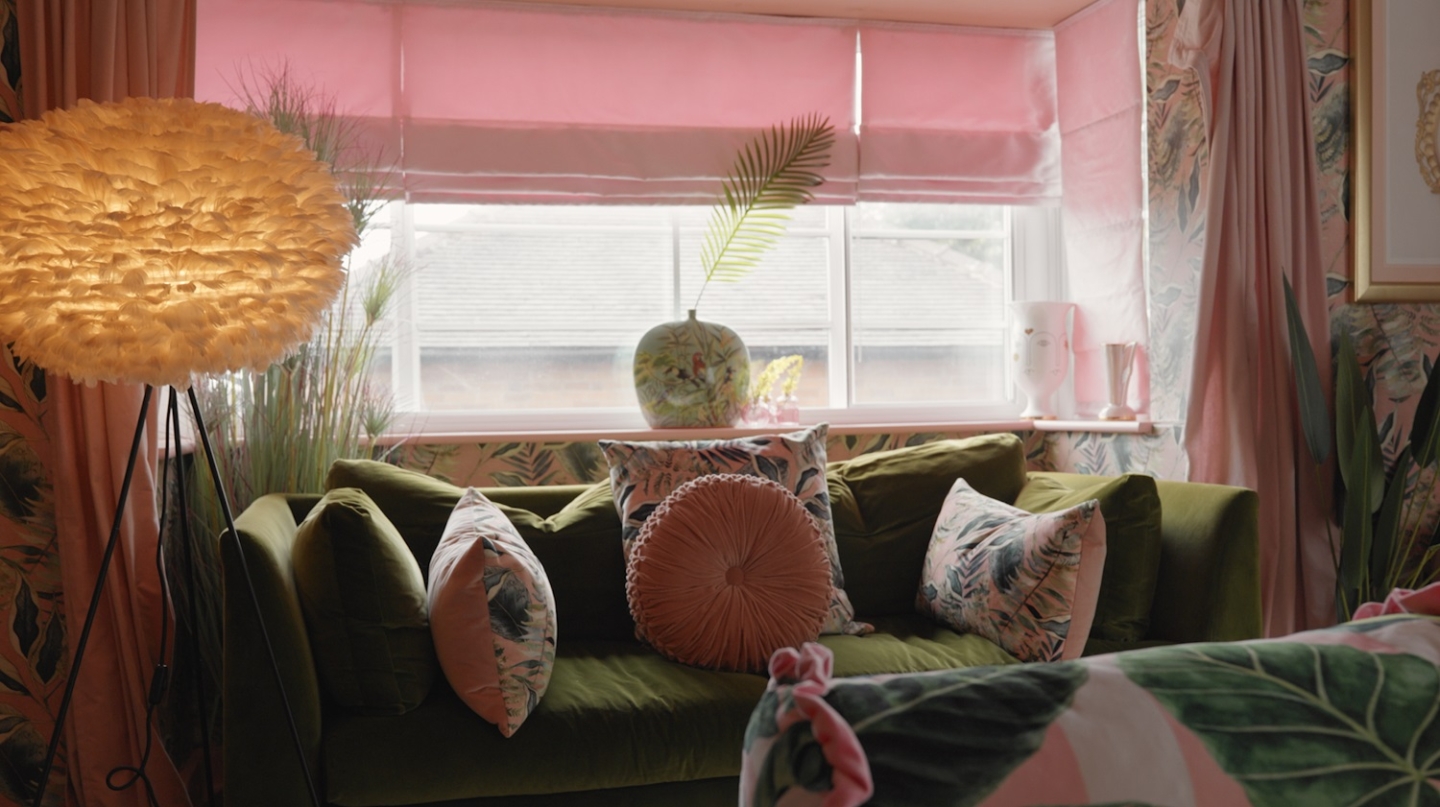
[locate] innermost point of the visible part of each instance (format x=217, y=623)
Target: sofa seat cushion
x=911, y=643
x=617, y=714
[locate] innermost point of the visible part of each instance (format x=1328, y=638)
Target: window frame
x=1034, y=271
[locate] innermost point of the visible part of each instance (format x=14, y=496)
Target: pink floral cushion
x=643, y=474
x=492, y=614
x=1028, y=583
x=728, y=570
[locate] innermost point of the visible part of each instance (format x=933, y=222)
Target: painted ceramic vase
x=1039, y=353
x=691, y=374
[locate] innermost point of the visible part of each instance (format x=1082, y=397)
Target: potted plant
x=692, y=373
x=1386, y=537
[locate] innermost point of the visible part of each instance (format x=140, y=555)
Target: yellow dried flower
x=149, y=239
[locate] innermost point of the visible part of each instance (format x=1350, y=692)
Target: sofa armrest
x=261, y=766
x=1209, y=580
x=1209, y=588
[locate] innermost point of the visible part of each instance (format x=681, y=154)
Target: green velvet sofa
x=620, y=725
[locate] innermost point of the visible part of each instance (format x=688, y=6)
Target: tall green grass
x=279, y=430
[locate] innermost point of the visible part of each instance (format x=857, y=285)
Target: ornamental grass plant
x=279, y=430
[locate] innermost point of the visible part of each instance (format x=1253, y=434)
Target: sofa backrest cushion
x=578, y=546
x=1130, y=505
x=885, y=505
x=363, y=599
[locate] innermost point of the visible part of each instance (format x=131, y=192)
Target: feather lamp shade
x=149, y=239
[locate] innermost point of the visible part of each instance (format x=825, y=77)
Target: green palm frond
x=772, y=174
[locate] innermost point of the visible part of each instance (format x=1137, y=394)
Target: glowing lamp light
x=149, y=239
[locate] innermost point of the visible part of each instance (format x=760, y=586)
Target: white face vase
x=1040, y=354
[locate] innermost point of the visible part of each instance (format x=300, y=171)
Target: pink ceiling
x=995, y=13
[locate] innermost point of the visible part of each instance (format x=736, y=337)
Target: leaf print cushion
x=1346, y=715
x=1028, y=583
x=644, y=474
x=492, y=614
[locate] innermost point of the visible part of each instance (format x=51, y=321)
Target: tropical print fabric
x=644, y=474
x=1028, y=583
x=1348, y=715
x=492, y=614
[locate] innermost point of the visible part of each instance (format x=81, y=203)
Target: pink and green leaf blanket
x=1348, y=715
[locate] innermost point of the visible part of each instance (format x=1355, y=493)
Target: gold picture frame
x=1396, y=215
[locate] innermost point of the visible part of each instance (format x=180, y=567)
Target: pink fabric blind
x=1101, y=95
x=502, y=103
x=952, y=114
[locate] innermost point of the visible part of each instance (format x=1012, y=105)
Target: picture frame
x=1395, y=93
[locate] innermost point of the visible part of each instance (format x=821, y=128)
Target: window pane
x=896, y=216
x=929, y=319
x=781, y=308
x=805, y=217
x=531, y=307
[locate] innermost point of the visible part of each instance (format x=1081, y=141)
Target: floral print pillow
x=644, y=474
x=1028, y=583
x=492, y=614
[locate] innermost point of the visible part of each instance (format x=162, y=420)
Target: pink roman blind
x=510, y=103
x=954, y=114
x=1101, y=95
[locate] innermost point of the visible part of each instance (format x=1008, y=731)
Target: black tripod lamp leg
x=94, y=601
x=254, y=598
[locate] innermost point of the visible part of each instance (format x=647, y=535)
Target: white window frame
x=1034, y=271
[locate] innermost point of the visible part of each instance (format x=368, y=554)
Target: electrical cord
x=160, y=681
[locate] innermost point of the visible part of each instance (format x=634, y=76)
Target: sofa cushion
x=642, y=474
x=492, y=614
x=1130, y=505
x=1029, y=582
x=364, y=604
x=911, y=643
x=727, y=570
x=616, y=715
x=578, y=546
x=885, y=505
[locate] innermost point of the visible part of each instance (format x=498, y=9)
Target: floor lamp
x=150, y=240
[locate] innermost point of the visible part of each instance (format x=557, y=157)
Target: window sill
x=1139, y=426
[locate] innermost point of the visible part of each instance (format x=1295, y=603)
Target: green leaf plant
x=772, y=174
x=1383, y=543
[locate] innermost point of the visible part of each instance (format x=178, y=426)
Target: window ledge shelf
x=1140, y=426
x=1137, y=426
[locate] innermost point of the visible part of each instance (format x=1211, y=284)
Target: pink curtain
x=1097, y=65
x=1263, y=221
x=106, y=50
x=953, y=114
x=510, y=104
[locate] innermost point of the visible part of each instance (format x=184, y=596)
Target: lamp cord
x=160, y=681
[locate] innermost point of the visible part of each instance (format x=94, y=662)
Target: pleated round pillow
x=727, y=570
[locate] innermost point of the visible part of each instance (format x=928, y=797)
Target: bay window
x=555, y=167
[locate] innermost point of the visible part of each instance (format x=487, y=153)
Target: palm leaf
x=1425, y=429
x=1353, y=416
x=772, y=174
x=1314, y=414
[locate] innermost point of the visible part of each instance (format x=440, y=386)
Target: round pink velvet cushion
x=727, y=570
